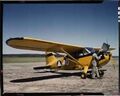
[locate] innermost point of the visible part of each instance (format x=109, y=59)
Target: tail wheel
x=101, y=73
x=83, y=76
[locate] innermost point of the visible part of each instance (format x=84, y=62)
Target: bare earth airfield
x=21, y=77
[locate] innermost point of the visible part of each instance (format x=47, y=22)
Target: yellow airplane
x=74, y=58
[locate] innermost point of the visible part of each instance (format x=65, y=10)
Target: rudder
x=51, y=60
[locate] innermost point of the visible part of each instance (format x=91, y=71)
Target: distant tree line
x=28, y=55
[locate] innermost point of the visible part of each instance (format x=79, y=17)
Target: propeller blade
x=105, y=47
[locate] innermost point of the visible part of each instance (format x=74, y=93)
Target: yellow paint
x=49, y=46
x=28, y=43
x=51, y=61
x=85, y=61
x=85, y=69
x=104, y=61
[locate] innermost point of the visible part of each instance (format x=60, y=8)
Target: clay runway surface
x=20, y=77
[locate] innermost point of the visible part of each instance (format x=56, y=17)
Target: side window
x=80, y=53
x=85, y=52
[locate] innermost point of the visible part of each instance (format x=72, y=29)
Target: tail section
x=51, y=60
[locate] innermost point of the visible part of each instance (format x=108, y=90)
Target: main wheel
x=101, y=73
x=83, y=76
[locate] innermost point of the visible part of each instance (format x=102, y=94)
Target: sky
x=86, y=25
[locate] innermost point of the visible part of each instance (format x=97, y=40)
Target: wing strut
x=71, y=57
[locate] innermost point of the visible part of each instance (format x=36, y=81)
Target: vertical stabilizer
x=51, y=60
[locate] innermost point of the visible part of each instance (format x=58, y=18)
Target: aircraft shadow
x=35, y=78
x=58, y=75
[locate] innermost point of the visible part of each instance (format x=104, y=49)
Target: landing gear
x=101, y=73
x=89, y=75
x=83, y=76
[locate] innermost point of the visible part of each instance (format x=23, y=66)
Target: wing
x=40, y=45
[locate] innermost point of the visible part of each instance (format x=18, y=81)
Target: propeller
x=105, y=49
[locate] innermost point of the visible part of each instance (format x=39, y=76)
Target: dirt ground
x=20, y=77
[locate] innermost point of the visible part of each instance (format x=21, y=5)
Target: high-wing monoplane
x=74, y=58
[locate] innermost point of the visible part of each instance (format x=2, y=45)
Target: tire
x=101, y=73
x=83, y=76
x=90, y=75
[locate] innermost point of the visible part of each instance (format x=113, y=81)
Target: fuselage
x=85, y=60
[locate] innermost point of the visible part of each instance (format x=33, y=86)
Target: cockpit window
x=85, y=51
x=91, y=50
x=82, y=52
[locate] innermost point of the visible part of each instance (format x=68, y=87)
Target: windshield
x=90, y=50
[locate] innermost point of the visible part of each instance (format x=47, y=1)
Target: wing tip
x=17, y=38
